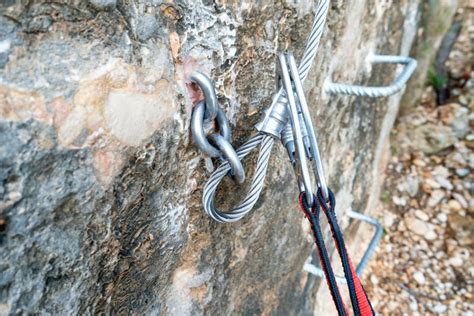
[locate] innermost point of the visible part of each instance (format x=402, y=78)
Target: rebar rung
x=375, y=91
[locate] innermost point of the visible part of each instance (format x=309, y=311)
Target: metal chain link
x=207, y=88
x=204, y=133
x=200, y=129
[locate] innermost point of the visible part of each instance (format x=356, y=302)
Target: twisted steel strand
x=314, y=39
x=374, y=92
x=311, y=47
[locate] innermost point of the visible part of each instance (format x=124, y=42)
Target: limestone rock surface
x=100, y=184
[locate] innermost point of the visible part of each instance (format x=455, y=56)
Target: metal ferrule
x=275, y=117
x=288, y=140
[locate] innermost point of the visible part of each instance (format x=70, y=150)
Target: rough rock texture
x=100, y=183
x=436, y=18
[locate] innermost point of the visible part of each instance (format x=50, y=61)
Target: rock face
x=100, y=183
x=435, y=20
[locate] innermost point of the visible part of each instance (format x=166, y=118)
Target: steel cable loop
x=266, y=140
x=253, y=194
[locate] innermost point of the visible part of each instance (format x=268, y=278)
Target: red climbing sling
x=360, y=302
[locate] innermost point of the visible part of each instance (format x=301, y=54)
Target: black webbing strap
x=360, y=302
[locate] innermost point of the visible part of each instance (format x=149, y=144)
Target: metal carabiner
x=315, y=157
x=300, y=119
x=299, y=157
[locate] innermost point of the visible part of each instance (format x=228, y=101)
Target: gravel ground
x=424, y=262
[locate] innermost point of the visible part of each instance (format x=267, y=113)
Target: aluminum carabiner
x=300, y=120
x=299, y=157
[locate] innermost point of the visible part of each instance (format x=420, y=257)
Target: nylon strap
x=360, y=302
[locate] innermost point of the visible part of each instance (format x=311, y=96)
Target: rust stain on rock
x=175, y=45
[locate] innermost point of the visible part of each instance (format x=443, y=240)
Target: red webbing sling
x=360, y=302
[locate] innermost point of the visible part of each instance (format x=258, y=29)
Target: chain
x=207, y=114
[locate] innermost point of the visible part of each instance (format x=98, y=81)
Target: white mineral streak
x=4, y=46
x=185, y=279
x=133, y=117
